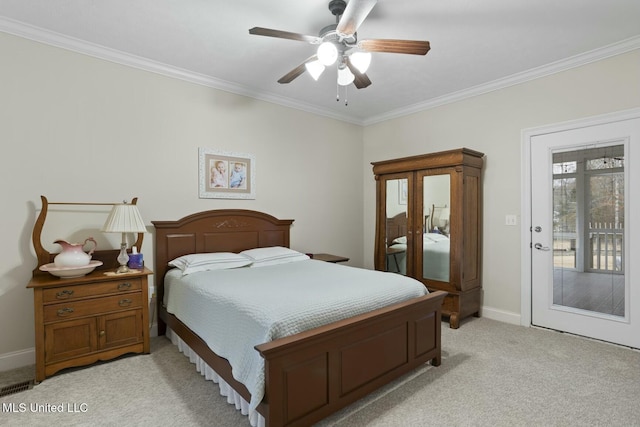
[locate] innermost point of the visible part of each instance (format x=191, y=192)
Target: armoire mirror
x=396, y=230
x=436, y=196
x=435, y=230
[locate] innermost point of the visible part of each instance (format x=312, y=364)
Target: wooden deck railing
x=606, y=241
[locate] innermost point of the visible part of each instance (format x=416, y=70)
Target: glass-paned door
x=582, y=189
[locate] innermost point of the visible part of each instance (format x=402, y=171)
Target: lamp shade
x=443, y=218
x=445, y=213
x=315, y=68
x=327, y=53
x=345, y=76
x=361, y=60
x=124, y=218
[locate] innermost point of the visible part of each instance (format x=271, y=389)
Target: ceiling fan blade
x=361, y=80
x=259, y=31
x=411, y=47
x=291, y=75
x=353, y=16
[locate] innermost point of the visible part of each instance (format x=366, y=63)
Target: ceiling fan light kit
x=338, y=43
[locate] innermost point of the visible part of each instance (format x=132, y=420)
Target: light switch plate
x=511, y=220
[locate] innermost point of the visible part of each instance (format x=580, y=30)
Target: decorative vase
x=73, y=254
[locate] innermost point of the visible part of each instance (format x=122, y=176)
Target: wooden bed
x=396, y=227
x=314, y=373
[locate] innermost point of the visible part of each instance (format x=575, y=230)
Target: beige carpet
x=492, y=374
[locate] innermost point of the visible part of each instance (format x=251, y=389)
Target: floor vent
x=16, y=388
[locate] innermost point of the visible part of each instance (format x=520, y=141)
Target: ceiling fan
x=338, y=43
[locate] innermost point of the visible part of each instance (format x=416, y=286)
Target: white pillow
x=400, y=240
x=209, y=261
x=435, y=237
x=273, y=255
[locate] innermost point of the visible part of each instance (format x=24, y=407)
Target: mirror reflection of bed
x=397, y=243
x=435, y=243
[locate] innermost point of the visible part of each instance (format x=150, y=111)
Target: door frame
x=525, y=203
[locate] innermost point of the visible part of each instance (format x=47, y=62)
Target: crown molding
x=614, y=49
x=84, y=47
x=102, y=52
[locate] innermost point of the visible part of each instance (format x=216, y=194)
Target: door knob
x=539, y=247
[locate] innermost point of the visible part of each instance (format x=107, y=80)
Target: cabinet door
x=65, y=340
x=120, y=329
x=433, y=207
x=394, y=234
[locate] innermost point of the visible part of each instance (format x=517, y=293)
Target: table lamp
x=124, y=218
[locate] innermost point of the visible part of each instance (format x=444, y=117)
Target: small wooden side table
x=81, y=320
x=329, y=258
x=393, y=252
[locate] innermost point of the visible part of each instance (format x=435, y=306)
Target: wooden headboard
x=396, y=227
x=223, y=230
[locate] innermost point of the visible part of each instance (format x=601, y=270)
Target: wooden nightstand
x=392, y=253
x=329, y=258
x=85, y=319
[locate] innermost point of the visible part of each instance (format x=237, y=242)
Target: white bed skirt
x=255, y=418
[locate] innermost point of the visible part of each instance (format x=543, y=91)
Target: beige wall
x=75, y=128
x=492, y=124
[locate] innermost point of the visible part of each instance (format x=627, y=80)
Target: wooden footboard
x=315, y=373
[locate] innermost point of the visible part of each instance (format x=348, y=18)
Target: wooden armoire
x=429, y=225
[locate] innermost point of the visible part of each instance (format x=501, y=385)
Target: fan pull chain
x=346, y=100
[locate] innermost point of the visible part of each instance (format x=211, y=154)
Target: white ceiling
x=476, y=46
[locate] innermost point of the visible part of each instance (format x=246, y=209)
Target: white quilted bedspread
x=234, y=310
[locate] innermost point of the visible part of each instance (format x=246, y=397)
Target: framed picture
x=226, y=175
x=403, y=191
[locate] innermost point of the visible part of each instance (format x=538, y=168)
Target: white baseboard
x=153, y=331
x=20, y=358
x=501, y=315
x=17, y=359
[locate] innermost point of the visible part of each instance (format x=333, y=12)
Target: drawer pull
x=123, y=286
x=64, y=294
x=102, y=333
x=65, y=311
x=125, y=302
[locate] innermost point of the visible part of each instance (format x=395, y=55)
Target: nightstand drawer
x=68, y=293
x=74, y=309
